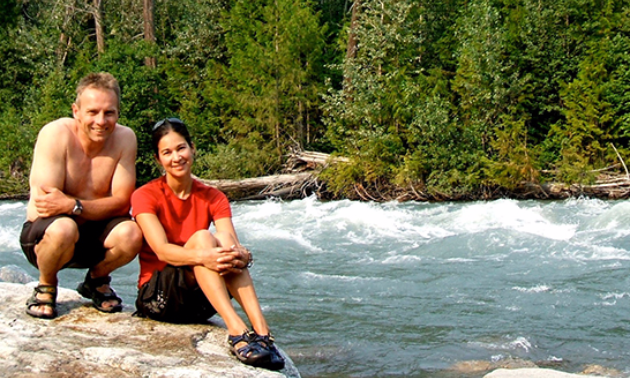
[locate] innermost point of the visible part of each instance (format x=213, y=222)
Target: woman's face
x=175, y=155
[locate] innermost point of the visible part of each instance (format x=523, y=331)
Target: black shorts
x=168, y=298
x=88, y=251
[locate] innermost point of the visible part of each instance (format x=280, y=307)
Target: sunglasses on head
x=158, y=124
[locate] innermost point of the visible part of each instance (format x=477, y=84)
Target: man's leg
x=54, y=251
x=122, y=245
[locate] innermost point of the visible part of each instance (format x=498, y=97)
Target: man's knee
x=61, y=233
x=126, y=237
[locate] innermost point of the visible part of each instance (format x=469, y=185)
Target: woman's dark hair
x=164, y=127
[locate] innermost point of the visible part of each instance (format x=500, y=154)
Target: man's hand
x=52, y=202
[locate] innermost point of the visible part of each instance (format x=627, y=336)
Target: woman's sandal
x=88, y=289
x=34, y=301
x=276, y=360
x=253, y=353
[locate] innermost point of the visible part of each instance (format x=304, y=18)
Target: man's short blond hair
x=100, y=80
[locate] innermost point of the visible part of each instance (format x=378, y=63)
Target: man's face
x=97, y=113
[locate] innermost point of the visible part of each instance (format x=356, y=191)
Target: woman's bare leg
x=213, y=285
x=217, y=287
x=241, y=286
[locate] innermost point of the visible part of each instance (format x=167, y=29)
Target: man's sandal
x=34, y=301
x=253, y=353
x=276, y=360
x=88, y=289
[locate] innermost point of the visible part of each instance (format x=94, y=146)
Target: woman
x=188, y=274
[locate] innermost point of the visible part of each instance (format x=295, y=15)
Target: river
x=355, y=289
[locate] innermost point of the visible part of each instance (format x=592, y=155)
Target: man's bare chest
x=90, y=178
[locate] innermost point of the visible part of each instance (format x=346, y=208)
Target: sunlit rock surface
x=83, y=342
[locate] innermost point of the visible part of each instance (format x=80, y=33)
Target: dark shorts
x=88, y=251
x=168, y=298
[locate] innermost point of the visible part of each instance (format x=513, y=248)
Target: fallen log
x=300, y=181
x=285, y=186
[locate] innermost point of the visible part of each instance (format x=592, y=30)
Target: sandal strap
x=269, y=340
x=246, y=336
x=43, y=289
x=254, y=348
x=97, y=282
x=252, y=345
x=46, y=289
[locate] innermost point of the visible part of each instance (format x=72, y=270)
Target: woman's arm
x=176, y=255
x=244, y=255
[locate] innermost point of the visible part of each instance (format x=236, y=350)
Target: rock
x=83, y=342
x=602, y=371
x=478, y=366
x=15, y=274
x=533, y=373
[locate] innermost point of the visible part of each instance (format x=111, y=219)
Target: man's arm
x=48, y=170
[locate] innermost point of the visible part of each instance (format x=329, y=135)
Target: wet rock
x=602, y=371
x=15, y=274
x=533, y=373
x=479, y=366
x=83, y=342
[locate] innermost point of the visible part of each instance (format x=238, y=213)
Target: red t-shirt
x=180, y=218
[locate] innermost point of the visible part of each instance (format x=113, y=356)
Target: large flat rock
x=83, y=342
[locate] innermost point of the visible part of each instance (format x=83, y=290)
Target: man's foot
x=43, y=302
x=103, y=297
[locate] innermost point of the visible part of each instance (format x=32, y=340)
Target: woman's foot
x=276, y=361
x=248, y=350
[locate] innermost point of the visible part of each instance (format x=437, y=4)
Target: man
x=82, y=177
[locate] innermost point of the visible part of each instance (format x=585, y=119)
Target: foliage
x=452, y=97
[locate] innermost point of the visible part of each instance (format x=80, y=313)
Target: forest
x=451, y=98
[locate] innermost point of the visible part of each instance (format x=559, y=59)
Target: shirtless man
x=82, y=177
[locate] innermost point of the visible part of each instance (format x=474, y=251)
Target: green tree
x=268, y=93
x=368, y=118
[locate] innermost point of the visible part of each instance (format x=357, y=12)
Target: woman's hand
x=227, y=260
x=245, y=256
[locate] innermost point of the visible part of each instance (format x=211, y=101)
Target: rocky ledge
x=83, y=342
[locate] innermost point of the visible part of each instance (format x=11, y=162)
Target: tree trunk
x=149, y=29
x=351, y=50
x=64, y=40
x=98, y=26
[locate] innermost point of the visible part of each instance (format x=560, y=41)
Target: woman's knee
x=202, y=239
x=225, y=239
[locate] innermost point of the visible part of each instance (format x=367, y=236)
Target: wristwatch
x=250, y=261
x=78, y=207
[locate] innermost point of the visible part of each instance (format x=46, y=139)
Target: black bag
x=167, y=298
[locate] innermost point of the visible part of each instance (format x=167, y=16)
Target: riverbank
x=301, y=179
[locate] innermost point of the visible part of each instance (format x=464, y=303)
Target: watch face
x=78, y=208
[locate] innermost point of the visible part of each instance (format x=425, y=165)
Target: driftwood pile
x=301, y=180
